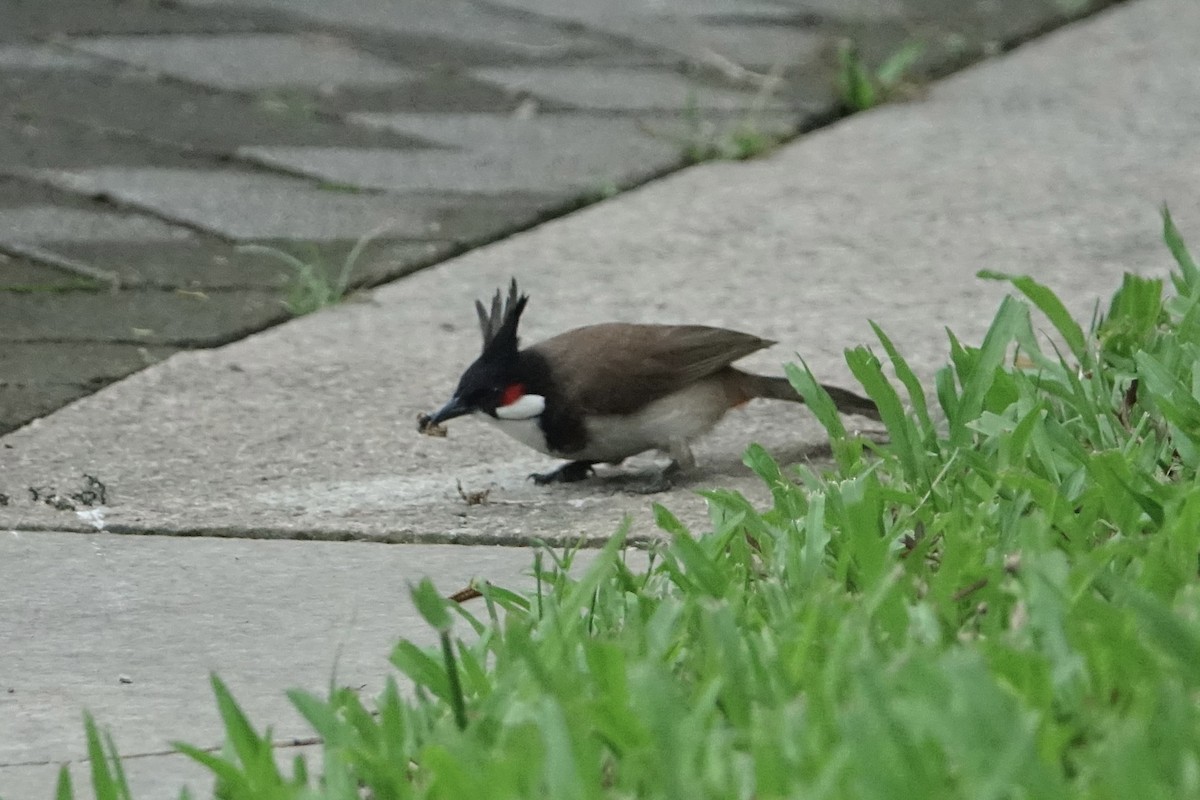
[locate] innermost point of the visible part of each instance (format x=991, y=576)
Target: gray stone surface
x=733, y=47
x=24, y=364
x=55, y=223
x=180, y=318
x=202, y=263
x=26, y=143
x=20, y=57
x=20, y=403
x=21, y=274
x=1031, y=163
x=623, y=89
x=448, y=20
x=852, y=9
x=243, y=205
x=182, y=115
x=544, y=153
x=86, y=612
x=46, y=19
x=701, y=31
x=249, y=61
x=583, y=10
x=37, y=378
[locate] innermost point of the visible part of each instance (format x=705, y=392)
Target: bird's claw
x=568, y=473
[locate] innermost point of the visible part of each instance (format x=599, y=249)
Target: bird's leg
x=567, y=473
x=682, y=458
x=683, y=461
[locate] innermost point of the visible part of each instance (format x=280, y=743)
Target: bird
x=602, y=393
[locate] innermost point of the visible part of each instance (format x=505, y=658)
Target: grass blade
x=1048, y=303
x=1191, y=273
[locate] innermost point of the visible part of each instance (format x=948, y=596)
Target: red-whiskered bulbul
x=605, y=392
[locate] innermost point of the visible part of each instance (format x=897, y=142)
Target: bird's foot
x=570, y=472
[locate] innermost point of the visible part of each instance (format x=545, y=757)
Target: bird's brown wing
x=616, y=368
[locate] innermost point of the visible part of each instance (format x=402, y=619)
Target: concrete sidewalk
x=1050, y=161
x=141, y=143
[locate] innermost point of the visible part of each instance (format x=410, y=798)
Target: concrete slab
x=244, y=206
x=695, y=30
x=37, y=378
x=38, y=57
x=757, y=47
x=852, y=9
x=442, y=91
x=34, y=142
x=251, y=61
x=622, y=89
x=55, y=223
x=20, y=403
x=583, y=10
x=452, y=21
x=87, y=362
x=24, y=275
x=184, y=319
x=545, y=153
x=50, y=18
x=135, y=630
x=1051, y=161
x=205, y=263
x=182, y=115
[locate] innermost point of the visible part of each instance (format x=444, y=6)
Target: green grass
x=749, y=136
x=861, y=87
x=313, y=283
x=1001, y=602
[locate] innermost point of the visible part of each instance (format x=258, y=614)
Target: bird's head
x=491, y=384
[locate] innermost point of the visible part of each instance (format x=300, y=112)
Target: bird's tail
x=846, y=401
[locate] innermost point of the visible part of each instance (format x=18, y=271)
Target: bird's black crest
x=499, y=325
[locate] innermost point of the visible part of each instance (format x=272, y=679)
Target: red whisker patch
x=512, y=394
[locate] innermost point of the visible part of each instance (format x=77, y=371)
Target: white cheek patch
x=526, y=406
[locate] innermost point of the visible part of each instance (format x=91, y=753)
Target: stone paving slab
x=449, y=91
x=24, y=402
x=23, y=275
x=756, y=47
x=28, y=363
x=581, y=9
x=181, y=115
x=616, y=89
x=700, y=31
x=244, y=206
x=204, y=264
x=50, y=18
x=130, y=627
x=539, y=154
x=28, y=144
x=42, y=223
x=491, y=35
x=137, y=317
x=249, y=61
x=1033, y=163
x=20, y=57
x=36, y=378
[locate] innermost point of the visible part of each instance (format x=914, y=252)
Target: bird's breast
x=680, y=416
x=526, y=431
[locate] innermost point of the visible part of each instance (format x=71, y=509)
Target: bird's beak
x=455, y=408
